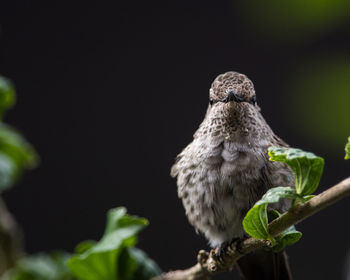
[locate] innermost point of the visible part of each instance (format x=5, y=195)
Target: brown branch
x=10, y=239
x=209, y=265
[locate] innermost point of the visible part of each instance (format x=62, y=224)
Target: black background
x=109, y=93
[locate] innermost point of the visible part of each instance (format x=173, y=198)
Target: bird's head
x=232, y=88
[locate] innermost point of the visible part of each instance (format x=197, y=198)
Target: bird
x=225, y=170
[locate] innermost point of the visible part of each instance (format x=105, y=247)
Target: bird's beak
x=232, y=96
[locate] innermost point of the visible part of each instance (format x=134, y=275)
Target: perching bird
x=225, y=170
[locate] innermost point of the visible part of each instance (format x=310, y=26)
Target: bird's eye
x=253, y=100
x=211, y=101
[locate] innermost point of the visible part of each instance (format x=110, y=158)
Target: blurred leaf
x=307, y=167
x=7, y=96
x=255, y=222
x=16, y=154
x=127, y=265
x=146, y=267
x=110, y=258
x=317, y=99
x=7, y=171
x=292, y=21
x=84, y=246
x=41, y=267
x=134, y=264
x=347, y=149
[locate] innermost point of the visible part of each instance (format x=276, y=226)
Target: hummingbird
x=225, y=170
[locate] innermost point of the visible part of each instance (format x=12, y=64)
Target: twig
x=10, y=239
x=209, y=265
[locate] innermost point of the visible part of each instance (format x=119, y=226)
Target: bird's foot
x=236, y=245
x=229, y=247
x=222, y=253
x=221, y=250
x=202, y=257
x=216, y=262
x=221, y=256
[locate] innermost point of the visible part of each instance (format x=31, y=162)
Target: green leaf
x=127, y=265
x=84, y=246
x=347, y=149
x=275, y=194
x=288, y=237
x=7, y=171
x=7, y=96
x=101, y=260
x=307, y=167
x=272, y=214
x=146, y=267
x=41, y=267
x=255, y=222
x=16, y=155
x=134, y=264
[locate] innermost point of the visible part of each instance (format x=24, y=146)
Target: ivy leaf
x=7, y=96
x=256, y=221
x=307, y=168
x=347, y=149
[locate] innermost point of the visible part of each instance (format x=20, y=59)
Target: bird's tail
x=264, y=265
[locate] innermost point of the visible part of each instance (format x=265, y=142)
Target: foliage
x=256, y=221
x=114, y=256
x=288, y=237
x=347, y=149
x=111, y=258
x=325, y=123
x=293, y=22
x=16, y=153
x=41, y=267
x=307, y=170
x=7, y=96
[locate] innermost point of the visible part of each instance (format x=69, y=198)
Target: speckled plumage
x=225, y=169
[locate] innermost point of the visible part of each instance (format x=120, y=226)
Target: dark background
x=110, y=92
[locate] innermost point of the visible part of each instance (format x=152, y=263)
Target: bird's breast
x=234, y=162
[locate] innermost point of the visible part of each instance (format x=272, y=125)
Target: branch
x=10, y=239
x=208, y=264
